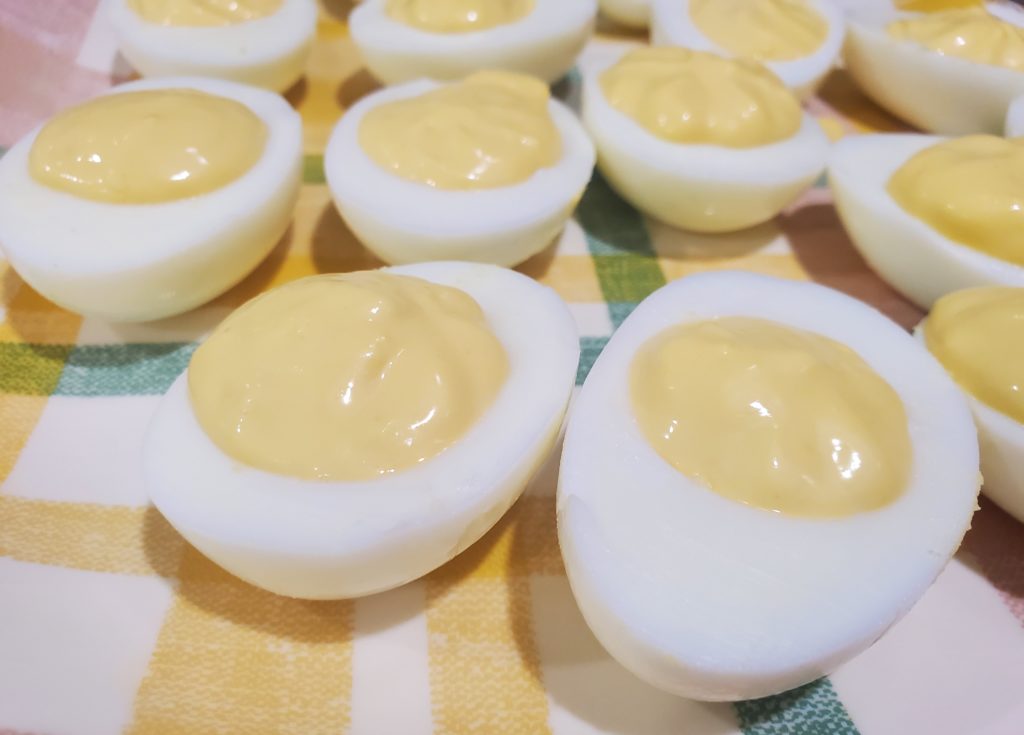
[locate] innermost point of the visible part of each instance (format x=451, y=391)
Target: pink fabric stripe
x=996, y=543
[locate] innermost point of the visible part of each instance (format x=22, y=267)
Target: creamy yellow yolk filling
x=969, y=189
x=346, y=377
x=493, y=129
x=684, y=96
x=457, y=16
x=202, y=12
x=147, y=147
x=969, y=33
x=767, y=30
x=774, y=417
x=978, y=335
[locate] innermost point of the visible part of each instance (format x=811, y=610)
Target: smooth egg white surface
x=1001, y=442
x=711, y=599
x=629, y=13
x=704, y=188
x=266, y=52
x=671, y=25
x=404, y=221
x=1015, y=118
x=544, y=43
x=917, y=260
x=937, y=93
x=136, y=262
x=325, y=540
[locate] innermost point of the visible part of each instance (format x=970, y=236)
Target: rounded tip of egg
x=268, y=52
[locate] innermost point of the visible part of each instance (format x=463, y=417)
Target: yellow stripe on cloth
x=31, y=318
x=781, y=266
x=484, y=666
x=233, y=659
x=18, y=417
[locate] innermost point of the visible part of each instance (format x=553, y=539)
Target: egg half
x=544, y=43
x=713, y=599
x=135, y=262
x=404, y=221
x=332, y=539
x=268, y=51
x=672, y=24
x=916, y=259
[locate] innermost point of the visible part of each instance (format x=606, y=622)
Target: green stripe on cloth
x=123, y=369
x=590, y=348
x=813, y=709
x=29, y=369
x=313, y=169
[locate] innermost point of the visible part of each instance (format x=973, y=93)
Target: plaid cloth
x=110, y=622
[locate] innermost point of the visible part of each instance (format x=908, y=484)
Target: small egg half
x=402, y=40
x=720, y=591
x=352, y=522
x=260, y=42
x=918, y=259
x=118, y=230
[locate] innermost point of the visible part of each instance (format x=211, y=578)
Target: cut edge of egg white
x=710, y=599
x=672, y=25
x=137, y=262
x=404, y=221
x=1015, y=118
x=267, y=52
x=938, y=93
x=327, y=540
x=544, y=43
x=913, y=257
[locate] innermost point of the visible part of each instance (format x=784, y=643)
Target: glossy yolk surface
x=767, y=30
x=968, y=33
x=198, y=13
x=458, y=16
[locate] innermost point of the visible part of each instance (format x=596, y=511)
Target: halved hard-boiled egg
x=402, y=40
x=951, y=72
x=344, y=434
x=933, y=215
x=1015, y=118
x=151, y=199
x=978, y=336
x=629, y=13
x=759, y=477
x=700, y=141
x=799, y=40
x=488, y=169
x=259, y=42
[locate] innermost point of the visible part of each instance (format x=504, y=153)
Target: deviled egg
x=933, y=215
x=759, y=477
x=799, y=40
x=488, y=169
x=978, y=336
x=402, y=40
x=629, y=13
x=151, y=199
x=259, y=42
x=344, y=434
x=700, y=141
x=951, y=72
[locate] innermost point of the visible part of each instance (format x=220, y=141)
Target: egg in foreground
x=487, y=170
x=403, y=40
x=965, y=200
x=260, y=42
x=152, y=199
x=717, y=589
x=345, y=434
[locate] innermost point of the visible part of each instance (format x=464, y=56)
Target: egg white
x=325, y=540
x=544, y=43
x=629, y=13
x=136, y=262
x=404, y=221
x=712, y=599
x=1015, y=118
x=1001, y=442
x=672, y=25
x=266, y=52
x=704, y=188
x=917, y=260
x=935, y=92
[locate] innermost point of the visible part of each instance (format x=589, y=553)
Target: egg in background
x=136, y=262
x=544, y=43
x=1015, y=118
x=628, y=13
x=913, y=257
x=712, y=599
x=405, y=221
x=331, y=539
x=938, y=93
x=673, y=25
x=269, y=51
